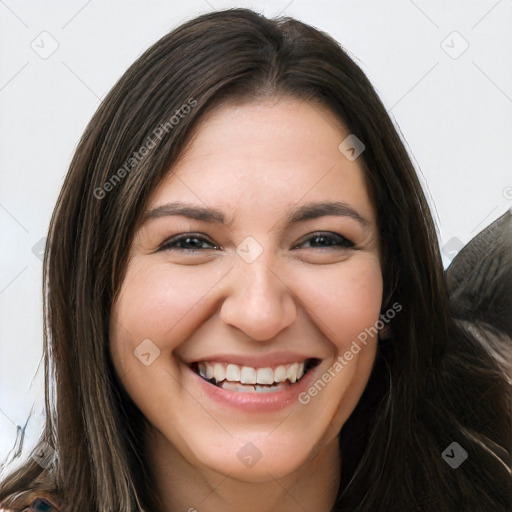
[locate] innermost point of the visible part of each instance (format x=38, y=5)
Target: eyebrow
x=305, y=212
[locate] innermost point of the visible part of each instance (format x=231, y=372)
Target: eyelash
x=343, y=243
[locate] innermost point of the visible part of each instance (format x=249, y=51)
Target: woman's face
x=258, y=259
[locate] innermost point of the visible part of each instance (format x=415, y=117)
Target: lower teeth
x=251, y=388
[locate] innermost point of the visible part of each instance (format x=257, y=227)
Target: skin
x=256, y=162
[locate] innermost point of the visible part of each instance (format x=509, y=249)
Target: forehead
x=265, y=157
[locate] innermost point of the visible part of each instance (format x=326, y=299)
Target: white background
x=455, y=114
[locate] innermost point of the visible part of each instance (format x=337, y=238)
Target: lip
x=252, y=402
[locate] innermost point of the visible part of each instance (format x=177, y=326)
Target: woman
x=246, y=307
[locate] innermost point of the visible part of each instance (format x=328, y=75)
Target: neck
x=183, y=487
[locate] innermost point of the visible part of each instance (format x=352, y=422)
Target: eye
x=326, y=241
x=192, y=242
x=189, y=242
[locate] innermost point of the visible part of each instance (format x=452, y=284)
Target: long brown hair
x=433, y=382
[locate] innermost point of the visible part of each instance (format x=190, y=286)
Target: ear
x=479, y=278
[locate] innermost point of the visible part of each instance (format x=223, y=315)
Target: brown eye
x=188, y=243
x=327, y=240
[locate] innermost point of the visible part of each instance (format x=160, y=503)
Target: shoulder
x=34, y=501
x=42, y=504
x=479, y=278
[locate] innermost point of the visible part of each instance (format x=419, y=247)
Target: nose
x=258, y=301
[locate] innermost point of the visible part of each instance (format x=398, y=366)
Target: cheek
x=155, y=304
x=159, y=303
x=345, y=298
x=345, y=303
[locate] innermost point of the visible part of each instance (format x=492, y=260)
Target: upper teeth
x=249, y=375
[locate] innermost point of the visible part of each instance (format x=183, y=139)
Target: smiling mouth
x=247, y=379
